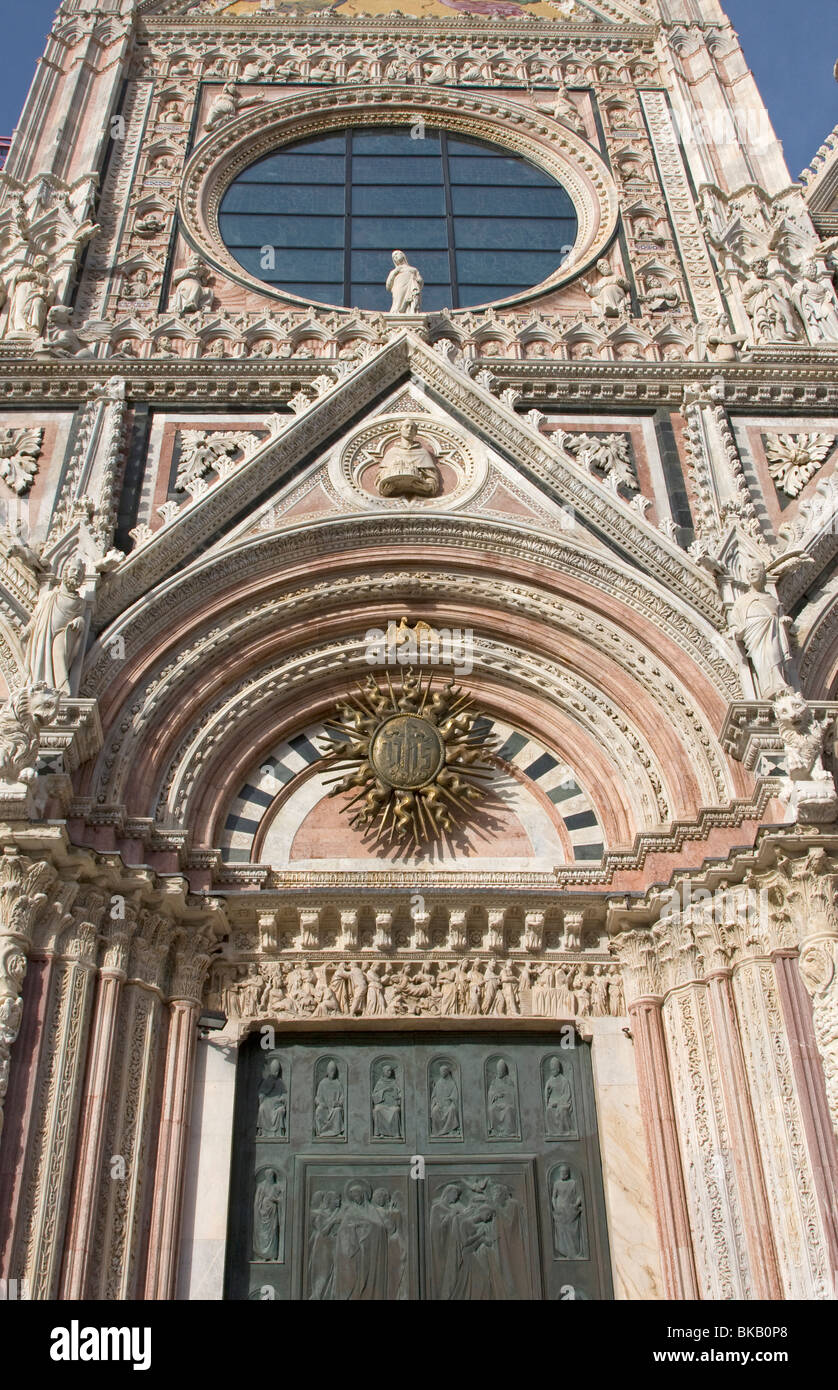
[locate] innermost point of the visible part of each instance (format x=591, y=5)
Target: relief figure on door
x=502, y=1119
x=567, y=1209
x=269, y=1216
x=478, y=1242
x=557, y=1094
x=329, y=1099
x=445, y=1114
x=357, y=1244
x=272, y=1115
x=387, y=1098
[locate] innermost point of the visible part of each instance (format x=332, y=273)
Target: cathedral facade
x=419, y=659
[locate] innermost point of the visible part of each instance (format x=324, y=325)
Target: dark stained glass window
x=321, y=218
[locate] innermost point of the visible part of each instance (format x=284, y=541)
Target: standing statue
x=191, y=292
x=405, y=285
x=758, y=624
x=267, y=1216
x=566, y=1204
x=818, y=307
x=772, y=313
x=54, y=635
x=31, y=296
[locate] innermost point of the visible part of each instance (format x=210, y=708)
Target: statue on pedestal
x=405, y=285
x=54, y=635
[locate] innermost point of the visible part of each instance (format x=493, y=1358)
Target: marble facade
x=621, y=545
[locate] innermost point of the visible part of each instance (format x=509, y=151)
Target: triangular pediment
x=528, y=466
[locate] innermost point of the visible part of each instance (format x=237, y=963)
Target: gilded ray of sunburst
x=413, y=758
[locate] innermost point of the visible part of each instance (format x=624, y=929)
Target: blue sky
x=792, y=46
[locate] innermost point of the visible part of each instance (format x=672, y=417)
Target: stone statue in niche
x=502, y=1103
x=445, y=1111
x=54, y=635
x=405, y=285
x=758, y=624
x=610, y=294
x=559, y=1120
x=268, y=1206
x=30, y=299
x=408, y=467
x=477, y=1242
x=567, y=1209
x=773, y=316
x=356, y=1249
x=272, y=1117
x=818, y=307
x=387, y=1100
x=330, y=1104
x=191, y=292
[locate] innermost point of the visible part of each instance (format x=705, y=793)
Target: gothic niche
x=413, y=759
x=408, y=468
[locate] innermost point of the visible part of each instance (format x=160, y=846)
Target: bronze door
x=425, y=1165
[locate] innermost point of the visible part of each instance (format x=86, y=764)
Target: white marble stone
x=207, y=1184
x=632, y=1235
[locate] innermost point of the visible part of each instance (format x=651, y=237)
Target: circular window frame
x=219, y=158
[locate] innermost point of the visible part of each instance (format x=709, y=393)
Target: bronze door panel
x=423, y=1165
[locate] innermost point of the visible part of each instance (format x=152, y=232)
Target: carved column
x=635, y=951
x=130, y=1126
x=54, y=1122
x=810, y=894
x=89, y=1159
x=744, y=1137
x=191, y=965
x=811, y=1092
x=23, y=889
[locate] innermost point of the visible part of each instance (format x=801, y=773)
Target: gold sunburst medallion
x=414, y=759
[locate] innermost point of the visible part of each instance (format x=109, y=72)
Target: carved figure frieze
x=461, y=988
